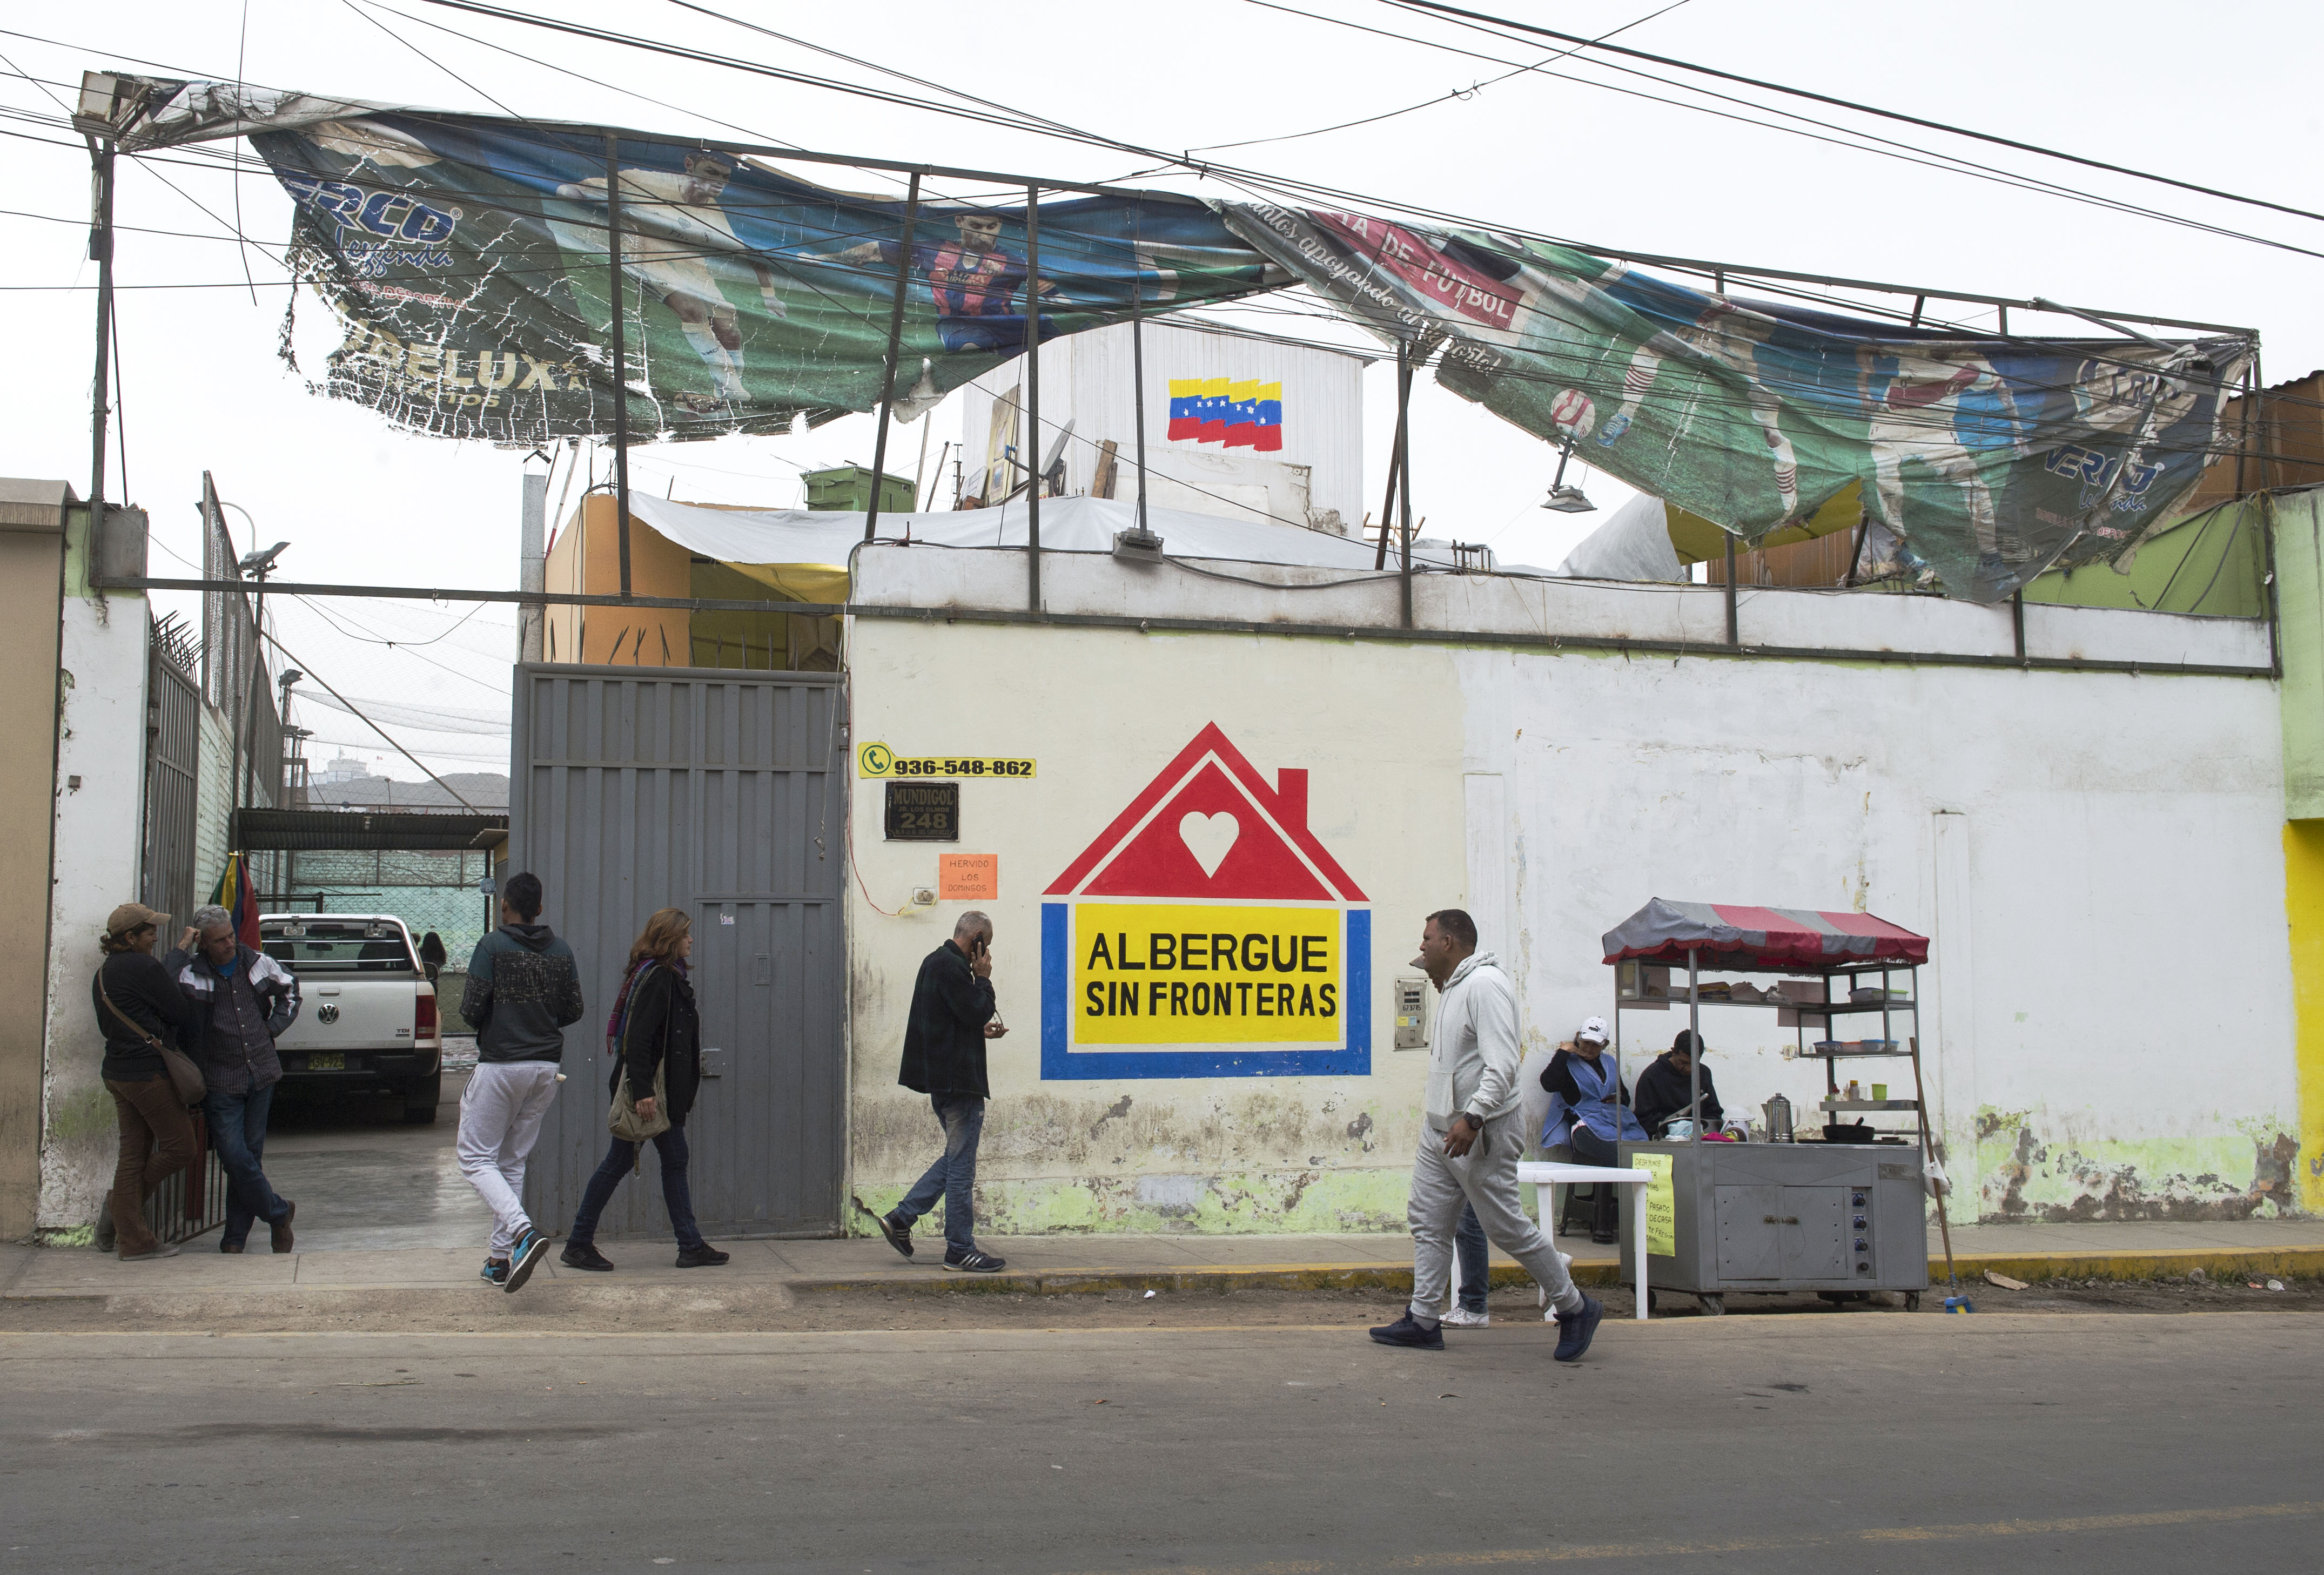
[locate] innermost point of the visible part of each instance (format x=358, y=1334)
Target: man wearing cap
x=139, y=1008
x=1471, y=1141
x=1663, y=1086
x=1587, y=1112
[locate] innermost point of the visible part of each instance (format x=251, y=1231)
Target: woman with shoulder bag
x=656, y=1036
x=138, y=1010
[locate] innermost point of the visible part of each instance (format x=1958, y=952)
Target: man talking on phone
x=952, y=1016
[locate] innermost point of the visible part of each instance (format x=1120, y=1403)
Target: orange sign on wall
x=968, y=877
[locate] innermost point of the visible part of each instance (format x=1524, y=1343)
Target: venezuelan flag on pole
x=236, y=894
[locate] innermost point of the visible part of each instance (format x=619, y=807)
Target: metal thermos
x=1779, y=1119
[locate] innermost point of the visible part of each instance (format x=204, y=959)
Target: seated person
x=1587, y=1112
x=1663, y=1085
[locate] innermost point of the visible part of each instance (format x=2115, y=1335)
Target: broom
x=1956, y=1303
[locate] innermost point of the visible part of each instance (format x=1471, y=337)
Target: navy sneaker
x=524, y=1254
x=584, y=1255
x=974, y=1262
x=897, y=1234
x=1409, y=1331
x=494, y=1272
x=1576, y=1329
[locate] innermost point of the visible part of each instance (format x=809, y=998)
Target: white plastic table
x=1543, y=1173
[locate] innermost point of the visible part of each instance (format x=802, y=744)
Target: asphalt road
x=2070, y=1443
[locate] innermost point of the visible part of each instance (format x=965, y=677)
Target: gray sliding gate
x=723, y=793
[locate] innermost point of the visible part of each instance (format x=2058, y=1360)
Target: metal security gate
x=173, y=719
x=721, y=792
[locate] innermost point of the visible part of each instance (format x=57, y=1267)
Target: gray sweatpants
x=501, y=1113
x=1487, y=1179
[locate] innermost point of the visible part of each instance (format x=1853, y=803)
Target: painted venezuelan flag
x=236, y=894
x=1186, y=410
x=1239, y=413
x=1267, y=420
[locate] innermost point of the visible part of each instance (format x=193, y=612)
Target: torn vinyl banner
x=1990, y=458
x=468, y=256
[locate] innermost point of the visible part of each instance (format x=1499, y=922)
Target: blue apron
x=1599, y=1110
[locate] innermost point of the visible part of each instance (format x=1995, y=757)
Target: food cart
x=1842, y=1212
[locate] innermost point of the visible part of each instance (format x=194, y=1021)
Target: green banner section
x=1989, y=459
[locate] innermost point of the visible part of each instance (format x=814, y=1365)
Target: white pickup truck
x=368, y=1017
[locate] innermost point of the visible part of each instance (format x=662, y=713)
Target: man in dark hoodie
x=524, y=990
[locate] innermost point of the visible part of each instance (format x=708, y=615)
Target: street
x=2083, y=1441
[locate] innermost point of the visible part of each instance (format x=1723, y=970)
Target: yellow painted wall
x=585, y=559
x=31, y=545
x=2304, y=901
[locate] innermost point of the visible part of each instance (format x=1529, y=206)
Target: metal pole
x=2017, y=626
x=888, y=373
x=1395, y=453
x=1734, y=628
x=1137, y=370
x=1695, y=1068
x=246, y=789
x=1404, y=487
x=1033, y=398
x=100, y=248
x=621, y=355
x=532, y=565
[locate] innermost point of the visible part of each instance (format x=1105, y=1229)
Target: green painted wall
x=2213, y=564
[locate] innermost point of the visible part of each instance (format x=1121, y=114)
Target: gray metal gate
x=173, y=719
x=723, y=793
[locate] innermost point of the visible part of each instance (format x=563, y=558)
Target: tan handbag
x=184, y=1075
x=623, y=1120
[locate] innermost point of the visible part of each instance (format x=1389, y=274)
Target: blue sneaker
x=1576, y=1329
x=495, y=1271
x=1408, y=1330
x=1611, y=433
x=528, y=1249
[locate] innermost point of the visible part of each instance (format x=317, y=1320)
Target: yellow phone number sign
x=877, y=760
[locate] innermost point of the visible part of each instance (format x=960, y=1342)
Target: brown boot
x=280, y=1230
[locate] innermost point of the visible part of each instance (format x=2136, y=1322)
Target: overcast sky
x=2222, y=97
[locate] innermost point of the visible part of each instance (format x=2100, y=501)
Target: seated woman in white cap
x=1589, y=1111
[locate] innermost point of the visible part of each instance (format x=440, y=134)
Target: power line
x=1440, y=7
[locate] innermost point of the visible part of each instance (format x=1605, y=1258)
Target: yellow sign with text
x=878, y=760
x=1171, y=973
x=1662, y=1204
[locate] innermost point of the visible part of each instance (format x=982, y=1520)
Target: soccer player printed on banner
x=975, y=281
x=1947, y=408
x=677, y=241
x=1729, y=335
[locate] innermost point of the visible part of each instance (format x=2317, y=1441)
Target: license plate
x=327, y=1063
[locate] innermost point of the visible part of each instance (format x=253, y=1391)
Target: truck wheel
x=420, y=1099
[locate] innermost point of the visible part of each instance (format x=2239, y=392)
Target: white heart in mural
x=1209, y=837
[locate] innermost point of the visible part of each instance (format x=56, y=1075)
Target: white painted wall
x=1086, y=378
x=2098, y=859
x=101, y=697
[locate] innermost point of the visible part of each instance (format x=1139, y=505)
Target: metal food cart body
x=1837, y=1218
x=1842, y=1220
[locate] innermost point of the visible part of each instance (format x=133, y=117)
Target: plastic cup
x=1879, y=1090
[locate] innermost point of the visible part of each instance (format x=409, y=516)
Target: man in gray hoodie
x=1471, y=1137
x=523, y=991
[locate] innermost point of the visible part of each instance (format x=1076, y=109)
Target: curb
x=1596, y=1272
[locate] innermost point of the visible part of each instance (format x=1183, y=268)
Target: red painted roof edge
x=1210, y=740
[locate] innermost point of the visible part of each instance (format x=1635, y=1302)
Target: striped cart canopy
x=1736, y=936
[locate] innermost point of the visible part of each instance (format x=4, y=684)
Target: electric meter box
x=1411, y=1014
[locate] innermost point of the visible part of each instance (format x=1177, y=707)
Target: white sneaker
x=1461, y=1318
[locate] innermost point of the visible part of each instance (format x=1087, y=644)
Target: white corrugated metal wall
x=1086, y=378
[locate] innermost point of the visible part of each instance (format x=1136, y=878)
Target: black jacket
x=523, y=991
x=146, y=988
x=1662, y=1093
x=943, y=1042
x=664, y=1030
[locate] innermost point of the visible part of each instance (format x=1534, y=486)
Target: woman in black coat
x=654, y=1026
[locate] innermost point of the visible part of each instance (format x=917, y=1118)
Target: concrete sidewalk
x=778, y=1270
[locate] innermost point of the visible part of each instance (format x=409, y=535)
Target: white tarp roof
x=797, y=536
